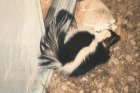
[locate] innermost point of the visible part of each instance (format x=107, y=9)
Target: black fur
x=100, y=56
x=69, y=51
x=64, y=16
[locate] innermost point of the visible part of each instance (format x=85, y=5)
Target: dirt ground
x=121, y=74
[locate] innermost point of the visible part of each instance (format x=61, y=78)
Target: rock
x=137, y=55
x=64, y=87
x=94, y=91
x=92, y=75
x=130, y=13
x=130, y=78
x=111, y=80
x=81, y=91
x=99, y=91
x=100, y=85
x=130, y=36
x=125, y=89
x=115, y=61
x=128, y=58
x=135, y=74
x=84, y=79
x=132, y=42
x=116, y=48
x=109, y=90
x=119, y=0
x=71, y=84
x=113, y=71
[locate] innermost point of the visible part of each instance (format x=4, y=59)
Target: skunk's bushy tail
x=53, y=39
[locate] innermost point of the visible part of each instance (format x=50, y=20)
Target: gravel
x=122, y=73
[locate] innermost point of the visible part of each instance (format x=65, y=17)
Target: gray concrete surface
x=21, y=27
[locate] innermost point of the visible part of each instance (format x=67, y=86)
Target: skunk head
x=113, y=39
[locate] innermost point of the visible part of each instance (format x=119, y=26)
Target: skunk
x=74, y=52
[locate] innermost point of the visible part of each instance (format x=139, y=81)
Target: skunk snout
x=114, y=39
x=111, y=40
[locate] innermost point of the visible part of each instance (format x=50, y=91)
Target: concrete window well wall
x=21, y=28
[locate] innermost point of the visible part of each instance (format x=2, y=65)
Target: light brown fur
x=94, y=14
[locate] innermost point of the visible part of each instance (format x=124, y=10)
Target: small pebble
x=111, y=80
x=109, y=90
x=125, y=89
x=115, y=61
x=135, y=74
x=113, y=71
x=64, y=87
x=116, y=48
x=94, y=91
x=100, y=85
x=130, y=78
x=130, y=13
x=119, y=0
x=132, y=42
x=69, y=83
x=100, y=91
x=84, y=79
x=130, y=36
x=137, y=55
x=81, y=91
x=128, y=58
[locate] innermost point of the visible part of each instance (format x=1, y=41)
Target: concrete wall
x=21, y=27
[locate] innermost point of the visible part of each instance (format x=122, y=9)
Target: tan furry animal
x=93, y=14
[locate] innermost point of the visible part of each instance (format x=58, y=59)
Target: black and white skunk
x=74, y=52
